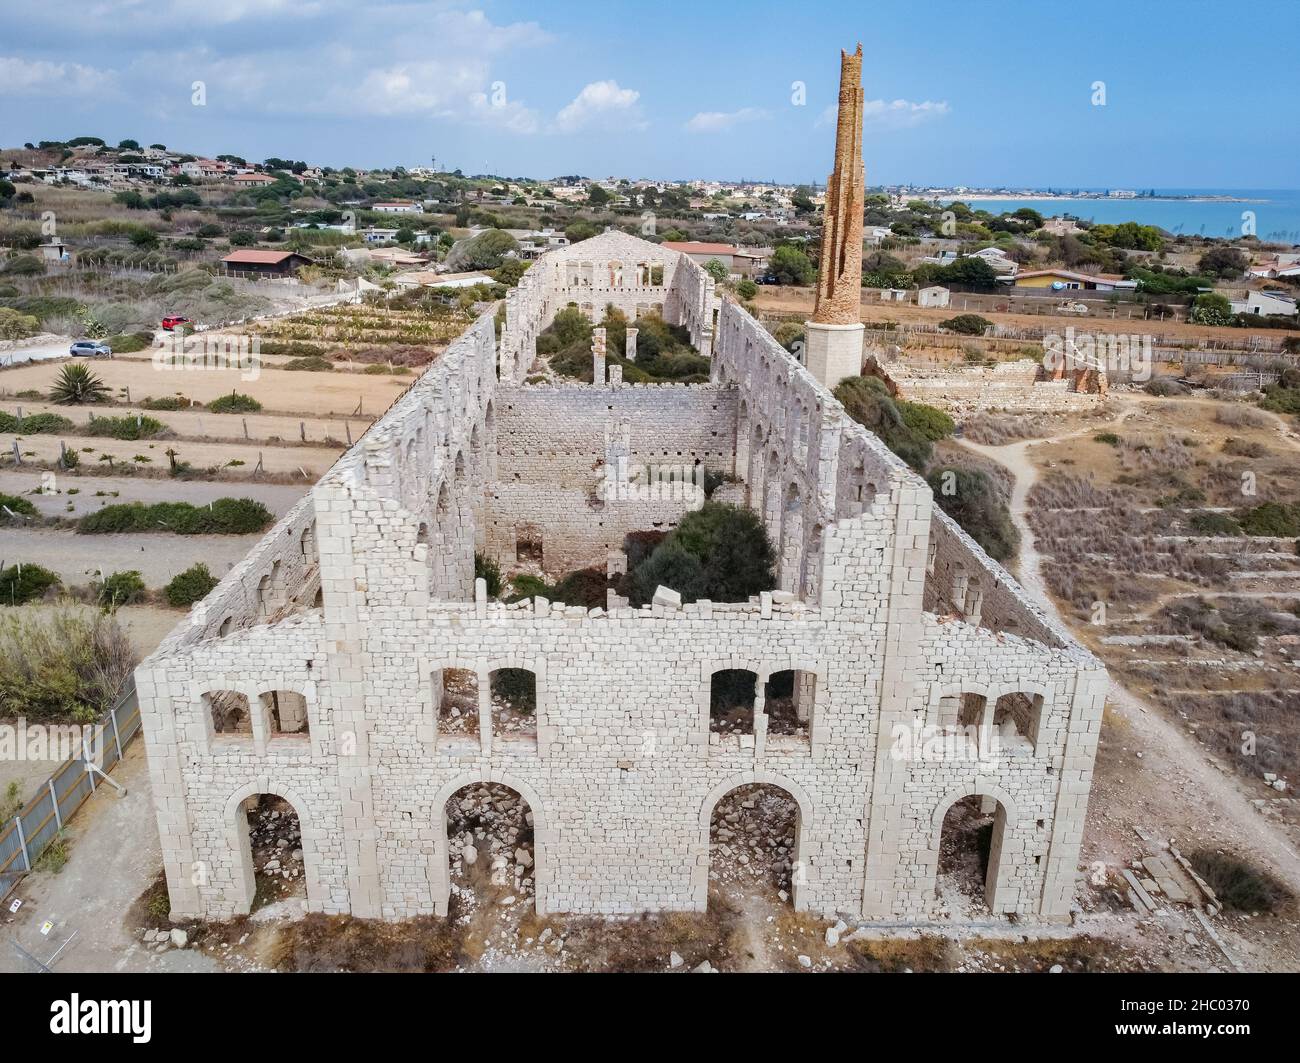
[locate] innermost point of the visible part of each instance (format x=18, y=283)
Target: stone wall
x=1008, y=386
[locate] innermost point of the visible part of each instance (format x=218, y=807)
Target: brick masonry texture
x=363, y=595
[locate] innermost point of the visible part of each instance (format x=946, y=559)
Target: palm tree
x=76, y=384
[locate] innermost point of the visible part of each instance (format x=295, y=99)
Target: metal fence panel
x=39, y=821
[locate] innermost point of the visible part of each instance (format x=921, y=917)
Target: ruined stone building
x=316, y=669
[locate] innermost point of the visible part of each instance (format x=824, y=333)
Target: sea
x=1270, y=214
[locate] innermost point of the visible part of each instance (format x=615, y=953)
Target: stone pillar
x=631, y=344
x=598, y=356
x=833, y=352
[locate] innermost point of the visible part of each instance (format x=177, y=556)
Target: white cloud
x=715, y=121
x=601, y=104
x=39, y=77
x=892, y=114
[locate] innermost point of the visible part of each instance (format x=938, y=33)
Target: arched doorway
x=753, y=835
x=970, y=833
x=275, y=850
x=489, y=846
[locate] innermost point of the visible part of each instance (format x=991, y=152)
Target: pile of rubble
x=752, y=838
x=490, y=829
x=458, y=712
x=276, y=840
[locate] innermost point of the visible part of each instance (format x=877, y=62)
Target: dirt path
x=1170, y=784
x=78, y=558
x=278, y=498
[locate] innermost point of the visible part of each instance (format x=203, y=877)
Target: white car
x=90, y=349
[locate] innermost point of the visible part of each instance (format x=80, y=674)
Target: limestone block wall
x=573, y=529
x=1007, y=386
x=557, y=433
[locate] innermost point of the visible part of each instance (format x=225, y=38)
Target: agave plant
x=76, y=384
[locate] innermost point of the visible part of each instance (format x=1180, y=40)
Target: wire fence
x=26, y=837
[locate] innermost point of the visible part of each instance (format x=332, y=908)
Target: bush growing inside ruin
x=24, y=583
x=1239, y=886
x=489, y=571
x=71, y=663
x=720, y=552
x=586, y=587
x=970, y=498
x=190, y=586
x=224, y=516
x=235, y=403
x=866, y=399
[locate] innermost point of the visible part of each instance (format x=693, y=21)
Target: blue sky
x=958, y=92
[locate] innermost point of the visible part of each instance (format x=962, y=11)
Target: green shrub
x=1239, y=886
x=586, y=587
x=34, y=424
x=129, y=427
x=1166, y=387
x=720, y=552
x=225, y=516
x=129, y=342
x=927, y=421
x=1279, y=399
x=528, y=586
x=20, y=506
x=314, y=364
x=1107, y=437
x=169, y=403
x=1207, y=523
x=16, y=326
x=1271, y=519
x=235, y=403
x=969, y=497
x=121, y=588
x=190, y=586
x=866, y=399
x=489, y=571
x=966, y=324
x=24, y=583
x=54, y=857
x=69, y=662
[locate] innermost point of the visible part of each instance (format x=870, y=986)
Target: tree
x=578, y=231
x=76, y=384
x=145, y=239
x=720, y=552
x=485, y=251
x=801, y=200
x=510, y=271
x=789, y=265
x=715, y=269
x=1211, y=308
x=128, y=145
x=597, y=196
x=1223, y=261
x=746, y=289
x=867, y=400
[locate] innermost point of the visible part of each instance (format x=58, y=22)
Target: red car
x=170, y=322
